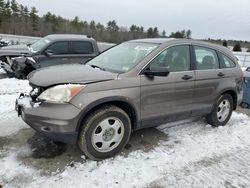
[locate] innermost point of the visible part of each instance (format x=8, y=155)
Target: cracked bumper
x=56, y=121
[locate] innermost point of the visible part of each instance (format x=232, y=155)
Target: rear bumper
x=56, y=121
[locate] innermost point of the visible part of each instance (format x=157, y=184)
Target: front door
x=56, y=54
x=167, y=98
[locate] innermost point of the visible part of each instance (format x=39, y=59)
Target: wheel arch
x=234, y=96
x=123, y=103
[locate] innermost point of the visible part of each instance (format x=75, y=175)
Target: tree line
x=237, y=45
x=18, y=19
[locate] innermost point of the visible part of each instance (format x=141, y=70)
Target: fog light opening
x=47, y=129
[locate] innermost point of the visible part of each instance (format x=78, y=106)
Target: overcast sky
x=227, y=19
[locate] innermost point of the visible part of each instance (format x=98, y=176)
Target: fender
x=107, y=100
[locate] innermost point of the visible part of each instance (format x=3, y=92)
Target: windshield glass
x=123, y=57
x=40, y=44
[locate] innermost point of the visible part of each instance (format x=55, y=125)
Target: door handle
x=64, y=59
x=220, y=74
x=187, y=77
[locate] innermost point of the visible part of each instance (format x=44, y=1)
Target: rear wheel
x=104, y=132
x=222, y=111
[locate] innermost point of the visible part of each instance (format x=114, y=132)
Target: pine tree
x=92, y=27
x=2, y=5
x=237, y=47
x=150, y=32
x=112, y=26
x=7, y=17
x=34, y=19
x=164, y=33
x=188, y=34
x=224, y=43
x=14, y=8
x=155, y=32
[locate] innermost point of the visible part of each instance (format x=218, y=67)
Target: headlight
x=61, y=93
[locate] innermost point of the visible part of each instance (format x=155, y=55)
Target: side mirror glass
x=48, y=53
x=160, y=71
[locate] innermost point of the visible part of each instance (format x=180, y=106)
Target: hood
x=19, y=49
x=64, y=74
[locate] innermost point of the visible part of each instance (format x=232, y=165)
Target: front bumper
x=6, y=67
x=56, y=121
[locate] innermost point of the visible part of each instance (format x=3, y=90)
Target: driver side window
x=175, y=59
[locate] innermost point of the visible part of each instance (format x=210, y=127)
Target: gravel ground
x=186, y=153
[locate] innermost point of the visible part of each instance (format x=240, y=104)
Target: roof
x=154, y=40
x=171, y=41
x=68, y=36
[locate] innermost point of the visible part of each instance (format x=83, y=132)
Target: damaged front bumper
x=56, y=121
x=6, y=67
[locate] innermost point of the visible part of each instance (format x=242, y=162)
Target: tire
x=104, y=132
x=222, y=111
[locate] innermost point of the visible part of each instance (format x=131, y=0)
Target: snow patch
x=9, y=91
x=12, y=171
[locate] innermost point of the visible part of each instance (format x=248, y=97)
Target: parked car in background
x=134, y=85
x=20, y=60
x=3, y=43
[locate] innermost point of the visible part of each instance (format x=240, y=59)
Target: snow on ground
x=195, y=155
x=9, y=91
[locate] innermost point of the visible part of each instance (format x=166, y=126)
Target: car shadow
x=49, y=156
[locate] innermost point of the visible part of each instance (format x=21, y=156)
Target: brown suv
x=134, y=85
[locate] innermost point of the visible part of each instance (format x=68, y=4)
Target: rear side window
x=226, y=62
x=59, y=48
x=206, y=58
x=82, y=47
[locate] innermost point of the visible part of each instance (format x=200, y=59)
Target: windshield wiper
x=95, y=66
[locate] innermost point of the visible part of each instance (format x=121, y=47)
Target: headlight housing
x=61, y=93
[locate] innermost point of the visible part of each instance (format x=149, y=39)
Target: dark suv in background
x=20, y=60
x=134, y=85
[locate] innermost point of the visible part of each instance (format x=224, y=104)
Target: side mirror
x=48, y=53
x=161, y=71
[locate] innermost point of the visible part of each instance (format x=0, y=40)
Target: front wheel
x=104, y=132
x=222, y=111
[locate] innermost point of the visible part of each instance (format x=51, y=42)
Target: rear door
x=81, y=51
x=169, y=97
x=209, y=77
x=56, y=54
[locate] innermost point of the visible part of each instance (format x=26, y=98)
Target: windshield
x=123, y=57
x=40, y=44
